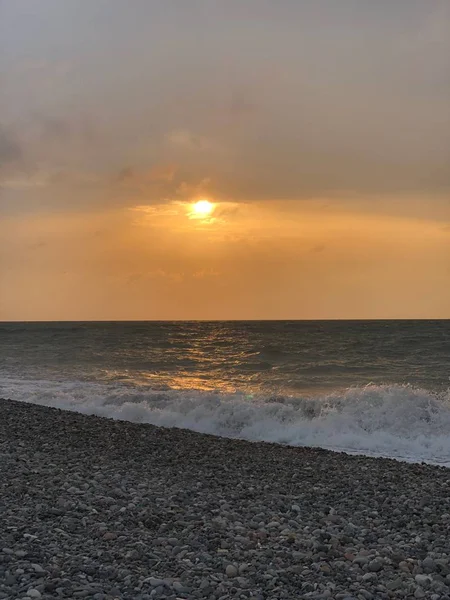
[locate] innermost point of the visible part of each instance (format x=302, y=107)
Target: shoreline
x=97, y=508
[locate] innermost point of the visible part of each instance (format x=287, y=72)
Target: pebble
x=155, y=582
x=121, y=510
x=404, y=566
x=429, y=564
x=395, y=584
x=231, y=571
x=375, y=565
x=37, y=568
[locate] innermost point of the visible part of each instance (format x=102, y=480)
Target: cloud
x=143, y=277
x=23, y=181
x=182, y=139
x=54, y=128
x=27, y=178
x=156, y=174
x=173, y=276
x=10, y=150
x=126, y=174
x=206, y=274
x=193, y=189
x=315, y=101
x=436, y=28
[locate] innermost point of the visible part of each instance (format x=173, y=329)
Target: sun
x=202, y=208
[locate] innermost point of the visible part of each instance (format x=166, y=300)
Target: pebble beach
x=103, y=509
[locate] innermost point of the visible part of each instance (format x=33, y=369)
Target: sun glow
x=202, y=208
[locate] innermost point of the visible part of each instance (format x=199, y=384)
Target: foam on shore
x=394, y=421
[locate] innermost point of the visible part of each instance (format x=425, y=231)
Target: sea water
x=377, y=388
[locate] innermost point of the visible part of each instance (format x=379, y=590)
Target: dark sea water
x=372, y=387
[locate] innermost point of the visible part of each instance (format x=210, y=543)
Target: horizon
x=284, y=320
x=227, y=161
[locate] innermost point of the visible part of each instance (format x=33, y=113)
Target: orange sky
x=252, y=260
x=320, y=136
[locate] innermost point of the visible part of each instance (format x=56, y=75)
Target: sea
x=376, y=388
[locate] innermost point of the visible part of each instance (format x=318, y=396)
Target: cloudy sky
x=319, y=131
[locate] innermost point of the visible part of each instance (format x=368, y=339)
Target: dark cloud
x=10, y=151
x=57, y=129
x=125, y=174
x=64, y=128
x=311, y=99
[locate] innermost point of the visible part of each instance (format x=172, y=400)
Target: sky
x=319, y=131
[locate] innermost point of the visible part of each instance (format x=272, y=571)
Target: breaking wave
x=394, y=421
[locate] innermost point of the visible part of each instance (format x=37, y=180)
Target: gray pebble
x=375, y=565
x=37, y=568
x=429, y=565
x=231, y=571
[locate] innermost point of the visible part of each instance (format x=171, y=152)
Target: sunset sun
x=202, y=208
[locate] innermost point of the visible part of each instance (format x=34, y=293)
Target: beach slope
x=103, y=509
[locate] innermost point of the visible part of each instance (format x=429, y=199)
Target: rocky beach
x=103, y=509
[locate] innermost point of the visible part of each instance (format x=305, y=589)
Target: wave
x=393, y=421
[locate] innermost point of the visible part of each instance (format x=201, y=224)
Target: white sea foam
x=391, y=421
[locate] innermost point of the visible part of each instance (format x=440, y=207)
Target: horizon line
x=321, y=320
